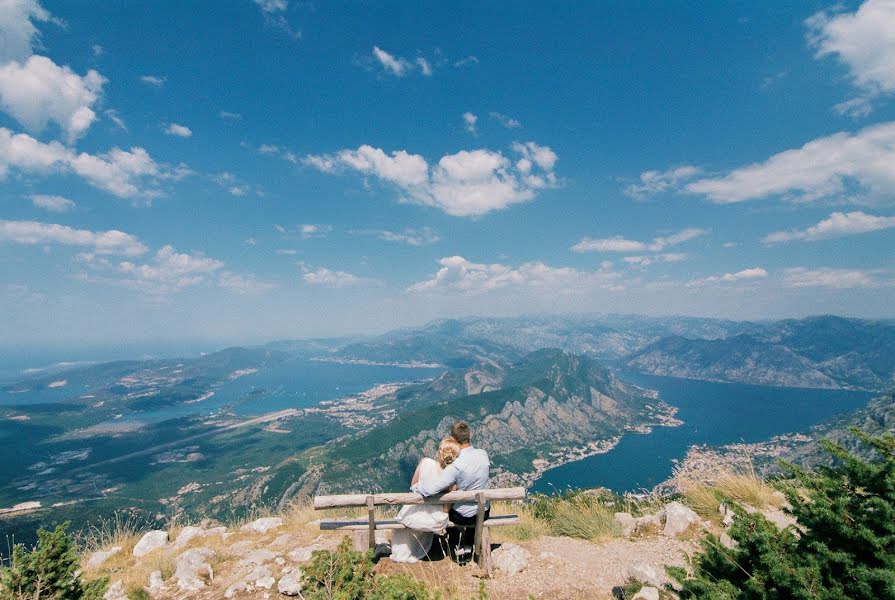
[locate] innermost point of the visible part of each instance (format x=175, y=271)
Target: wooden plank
x=371, y=518
x=486, y=564
x=320, y=502
x=362, y=524
x=479, y=526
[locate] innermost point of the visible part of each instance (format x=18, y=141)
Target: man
x=470, y=471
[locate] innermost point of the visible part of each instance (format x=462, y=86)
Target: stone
x=187, y=534
x=649, y=520
x=303, y=554
x=115, y=591
x=726, y=514
x=645, y=573
x=779, y=518
x=262, y=525
x=678, y=518
x=510, y=558
x=647, y=592
x=98, y=558
x=627, y=523
x=256, y=557
x=727, y=541
x=290, y=583
x=192, y=571
x=265, y=582
x=156, y=585
x=259, y=576
x=151, y=540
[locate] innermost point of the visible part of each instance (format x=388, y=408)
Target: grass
x=744, y=487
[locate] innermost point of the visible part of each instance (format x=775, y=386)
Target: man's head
x=460, y=432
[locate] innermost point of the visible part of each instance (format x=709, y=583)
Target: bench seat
x=362, y=524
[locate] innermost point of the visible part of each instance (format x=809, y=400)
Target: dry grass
x=744, y=487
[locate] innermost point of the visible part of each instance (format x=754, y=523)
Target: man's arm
x=429, y=488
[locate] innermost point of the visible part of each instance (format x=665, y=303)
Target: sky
x=264, y=169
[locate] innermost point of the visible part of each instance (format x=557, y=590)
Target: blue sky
x=249, y=170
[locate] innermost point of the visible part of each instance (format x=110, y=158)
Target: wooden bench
x=482, y=546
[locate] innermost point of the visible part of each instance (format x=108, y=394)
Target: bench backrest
x=388, y=499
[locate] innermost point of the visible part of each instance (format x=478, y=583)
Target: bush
x=585, y=515
x=398, y=587
x=843, y=546
x=49, y=571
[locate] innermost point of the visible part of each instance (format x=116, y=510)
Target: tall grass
x=742, y=487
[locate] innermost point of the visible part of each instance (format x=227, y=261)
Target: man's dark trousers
x=468, y=537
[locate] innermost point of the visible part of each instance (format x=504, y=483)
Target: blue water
x=714, y=414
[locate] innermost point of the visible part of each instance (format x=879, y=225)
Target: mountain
x=548, y=407
x=816, y=352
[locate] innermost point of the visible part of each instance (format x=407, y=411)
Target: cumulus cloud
x=469, y=121
x=96, y=242
x=505, y=121
x=168, y=271
x=824, y=167
x=313, y=230
x=17, y=31
x=751, y=274
x=400, y=66
x=153, y=80
x=412, y=237
x=458, y=274
x=120, y=172
x=39, y=91
x=465, y=184
x=655, y=182
x=229, y=116
x=272, y=6
x=465, y=62
x=51, y=203
x=179, y=130
x=645, y=261
x=864, y=41
x=329, y=278
x=837, y=279
x=837, y=225
x=244, y=285
x=621, y=244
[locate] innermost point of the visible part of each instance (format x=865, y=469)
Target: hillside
x=549, y=407
x=817, y=352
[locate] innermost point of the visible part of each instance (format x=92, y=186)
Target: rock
x=115, y=591
x=156, y=585
x=259, y=576
x=646, y=574
x=647, y=593
x=649, y=520
x=627, y=523
x=192, y=570
x=304, y=554
x=727, y=541
x=726, y=514
x=221, y=531
x=98, y=558
x=282, y=540
x=265, y=582
x=290, y=583
x=151, y=540
x=262, y=525
x=186, y=534
x=678, y=518
x=778, y=518
x=256, y=557
x=510, y=558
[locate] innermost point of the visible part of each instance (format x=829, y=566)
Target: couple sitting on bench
x=458, y=466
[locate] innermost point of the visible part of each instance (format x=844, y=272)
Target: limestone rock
x=151, y=540
x=649, y=520
x=262, y=525
x=726, y=514
x=627, y=523
x=646, y=574
x=186, y=534
x=290, y=583
x=98, y=558
x=256, y=557
x=303, y=554
x=779, y=518
x=727, y=541
x=156, y=585
x=115, y=591
x=258, y=577
x=192, y=570
x=510, y=558
x=678, y=518
x=647, y=592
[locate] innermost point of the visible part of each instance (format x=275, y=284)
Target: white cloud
x=504, y=120
x=839, y=279
x=837, y=225
x=268, y=149
x=229, y=116
x=655, y=182
x=400, y=66
x=469, y=120
x=645, y=261
x=328, y=278
x=244, y=285
x=56, y=204
x=286, y=251
x=169, y=271
x=621, y=244
x=458, y=274
x=824, y=167
x=855, y=107
x=272, y=6
x=17, y=31
x=119, y=172
x=179, y=130
x=39, y=91
x=744, y=275
x=468, y=183
x=115, y=118
x=312, y=230
x=465, y=62
x=98, y=50
x=96, y=242
x=153, y=80
x=864, y=41
x=412, y=237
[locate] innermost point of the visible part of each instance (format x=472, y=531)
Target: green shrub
x=48, y=571
x=843, y=546
x=399, y=587
x=343, y=574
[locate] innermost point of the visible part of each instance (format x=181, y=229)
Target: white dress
x=421, y=522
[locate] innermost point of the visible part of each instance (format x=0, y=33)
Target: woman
x=422, y=521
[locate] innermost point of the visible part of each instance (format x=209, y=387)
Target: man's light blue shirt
x=470, y=472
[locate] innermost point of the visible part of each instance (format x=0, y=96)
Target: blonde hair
x=448, y=451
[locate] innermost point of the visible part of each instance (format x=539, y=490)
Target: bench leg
x=485, y=556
